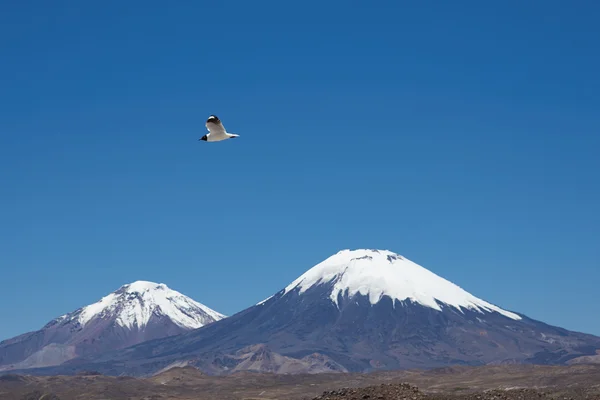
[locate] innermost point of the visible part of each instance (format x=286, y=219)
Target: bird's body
x=216, y=130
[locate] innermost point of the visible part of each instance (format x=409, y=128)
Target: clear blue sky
x=462, y=135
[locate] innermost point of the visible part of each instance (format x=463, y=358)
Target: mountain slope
x=358, y=310
x=134, y=313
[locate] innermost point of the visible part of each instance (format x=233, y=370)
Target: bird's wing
x=215, y=126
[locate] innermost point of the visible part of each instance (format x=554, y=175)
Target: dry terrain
x=477, y=383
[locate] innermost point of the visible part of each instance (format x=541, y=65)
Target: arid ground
x=477, y=383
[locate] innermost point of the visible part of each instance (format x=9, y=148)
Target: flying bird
x=216, y=131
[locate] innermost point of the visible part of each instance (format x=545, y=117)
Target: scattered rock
x=379, y=392
x=405, y=391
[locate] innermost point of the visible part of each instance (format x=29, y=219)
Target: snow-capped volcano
x=132, y=306
x=378, y=273
x=358, y=310
x=134, y=313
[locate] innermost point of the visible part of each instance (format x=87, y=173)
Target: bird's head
x=213, y=118
x=205, y=138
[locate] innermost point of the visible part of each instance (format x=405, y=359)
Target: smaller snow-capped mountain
x=134, y=313
x=133, y=305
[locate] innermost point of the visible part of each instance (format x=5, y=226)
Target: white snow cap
x=381, y=272
x=133, y=305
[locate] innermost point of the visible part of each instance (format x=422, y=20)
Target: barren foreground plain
x=187, y=383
